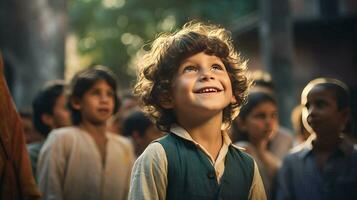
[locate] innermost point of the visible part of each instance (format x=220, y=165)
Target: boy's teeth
x=208, y=90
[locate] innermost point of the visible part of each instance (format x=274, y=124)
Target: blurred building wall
x=325, y=43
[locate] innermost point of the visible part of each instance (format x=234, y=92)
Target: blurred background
x=295, y=40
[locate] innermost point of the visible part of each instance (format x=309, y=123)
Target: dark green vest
x=192, y=176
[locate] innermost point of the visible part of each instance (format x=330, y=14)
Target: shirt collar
x=345, y=146
x=182, y=133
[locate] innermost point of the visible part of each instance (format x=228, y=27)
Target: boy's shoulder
x=236, y=146
x=241, y=151
x=64, y=132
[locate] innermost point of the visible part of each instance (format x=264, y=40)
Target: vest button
x=211, y=175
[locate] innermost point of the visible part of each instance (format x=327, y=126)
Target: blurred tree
x=32, y=37
x=276, y=38
x=112, y=32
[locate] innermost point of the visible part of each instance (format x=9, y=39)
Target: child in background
x=192, y=84
x=254, y=128
x=128, y=103
x=49, y=112
x=141, y=131
x=324, y=167
x=85, y=162
x=282, y=139
x=31, y=134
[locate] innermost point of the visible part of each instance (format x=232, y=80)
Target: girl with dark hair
x=254, y=128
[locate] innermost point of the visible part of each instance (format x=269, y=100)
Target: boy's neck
x=93, y=129
x=208, y=134
x=327, y=142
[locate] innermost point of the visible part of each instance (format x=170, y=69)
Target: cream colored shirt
x=149, y=175
x=70, y=166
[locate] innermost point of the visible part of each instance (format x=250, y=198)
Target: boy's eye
x=189, y=69
x=320, y=104
x=275, y=115
x=217, y=67
x=259, y=116
x=95, y=92
x=110, y=94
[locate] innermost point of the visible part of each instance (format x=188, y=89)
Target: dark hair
x=342, y=95
x=136, y=121
x=26, y=113
x=159, y=65
x=263, y=79
x=44, y=103
x=84, y=81
x=254, y=99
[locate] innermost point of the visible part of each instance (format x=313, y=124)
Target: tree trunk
x=277, y=50
x=32, y=39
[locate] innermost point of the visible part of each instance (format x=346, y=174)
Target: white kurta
x=70, y=166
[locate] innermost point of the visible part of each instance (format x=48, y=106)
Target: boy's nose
x=207, y=75
x=269, y=122
x=311, y=111
x=104, y=98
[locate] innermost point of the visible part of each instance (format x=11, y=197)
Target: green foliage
x=113, y=31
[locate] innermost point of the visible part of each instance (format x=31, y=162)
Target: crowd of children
x=194, y=127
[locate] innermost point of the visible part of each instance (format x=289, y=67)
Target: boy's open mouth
x=208, y=90
x=103, y=110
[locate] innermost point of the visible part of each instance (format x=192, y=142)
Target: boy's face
x=97, y=104
x=151, y=133
x=31, y=135
x=61, y=115
x=201, y=86
x=322, y=113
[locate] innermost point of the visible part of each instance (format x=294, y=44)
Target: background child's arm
x=271, y=162
x=149, y=175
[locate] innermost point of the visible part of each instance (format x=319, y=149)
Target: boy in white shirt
x=85, y=161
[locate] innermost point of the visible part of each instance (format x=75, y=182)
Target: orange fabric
x=16, y=179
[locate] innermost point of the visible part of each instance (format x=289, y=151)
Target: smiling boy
x=192, y=84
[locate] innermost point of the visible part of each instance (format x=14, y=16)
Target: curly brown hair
x=159, y=65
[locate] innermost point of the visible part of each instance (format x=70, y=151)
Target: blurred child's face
x=31, y=135
x=262, y=122
x=151, y=134
x=97, y=104
x=201, y=86
x=61, y=115
x=322, y=112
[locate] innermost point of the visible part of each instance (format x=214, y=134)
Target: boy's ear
x=345, y=113
x=75, y=103
x=233, y=100
x=166, y=101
